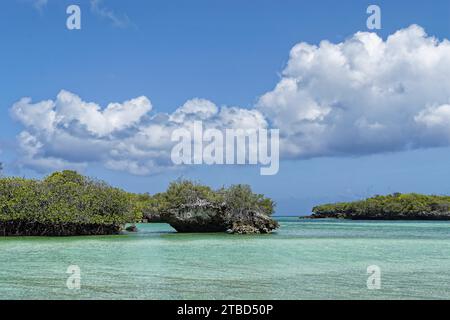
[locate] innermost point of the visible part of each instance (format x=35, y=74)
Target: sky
x=360, y=112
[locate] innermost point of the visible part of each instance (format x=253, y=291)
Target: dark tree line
x=394, y=207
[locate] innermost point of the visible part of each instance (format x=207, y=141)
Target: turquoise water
x=305, y=259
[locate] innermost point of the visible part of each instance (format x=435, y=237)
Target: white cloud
x=197, y=108
x=362, y=96
x=437, y=117
x=69, y=132
x=115, y=117
x=40, y=117
x=32, y=155
x=69, y=111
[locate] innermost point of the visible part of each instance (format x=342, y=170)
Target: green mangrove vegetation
x=64, y=203
x=67, y=203
x=396, y=206
x=191, y=207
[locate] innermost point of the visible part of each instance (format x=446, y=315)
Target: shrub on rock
x=191, y=207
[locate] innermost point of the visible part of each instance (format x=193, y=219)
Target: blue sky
x=228, y=52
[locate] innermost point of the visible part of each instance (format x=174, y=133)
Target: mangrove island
x=396, y=206
x=69, y=204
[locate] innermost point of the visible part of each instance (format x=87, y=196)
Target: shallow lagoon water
x=304, y=259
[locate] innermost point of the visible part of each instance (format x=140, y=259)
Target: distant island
x=69, y=204
x=396, y=206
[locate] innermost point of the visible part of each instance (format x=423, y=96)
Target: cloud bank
x=365, y=95
x=71, y=133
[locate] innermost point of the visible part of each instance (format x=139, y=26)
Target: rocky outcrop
x=132, y=228
x=203, y=216
x=197, y=216
x=250, y=222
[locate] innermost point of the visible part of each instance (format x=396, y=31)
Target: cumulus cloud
x=362, y=96
x=69, y=111
x=195, y=108
x=69, y=132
